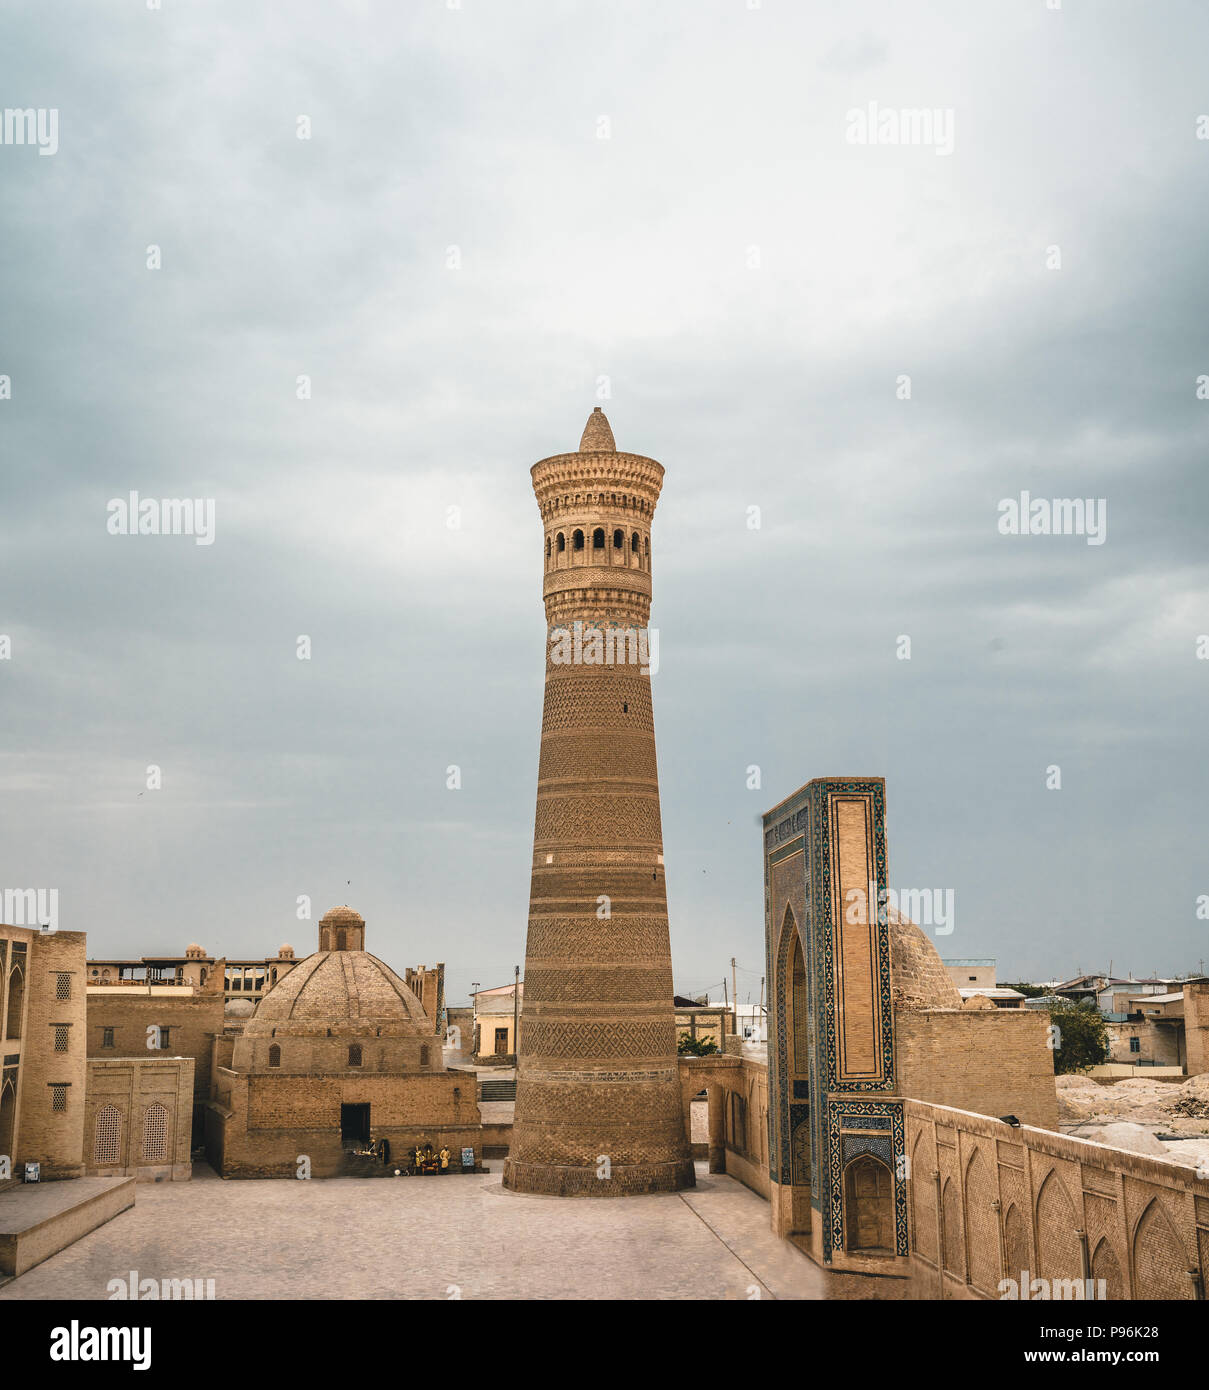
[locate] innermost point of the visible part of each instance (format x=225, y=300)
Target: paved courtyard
x=441, y=1237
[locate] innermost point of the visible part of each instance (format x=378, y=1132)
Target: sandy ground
x=1131, y=1114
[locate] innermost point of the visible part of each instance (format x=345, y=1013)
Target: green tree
x=695, y=1047
x=1081, y=1039
x=1029, y=991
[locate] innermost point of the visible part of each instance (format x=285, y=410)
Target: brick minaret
x=598, y=1108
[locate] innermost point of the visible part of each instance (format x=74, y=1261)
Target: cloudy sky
x=507, y=213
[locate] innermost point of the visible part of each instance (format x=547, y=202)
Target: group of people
x=429, y=1161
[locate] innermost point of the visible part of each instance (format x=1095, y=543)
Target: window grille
x=107, y=1136
x=155, y=1134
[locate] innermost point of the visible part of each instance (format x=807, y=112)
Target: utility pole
x=734, y=984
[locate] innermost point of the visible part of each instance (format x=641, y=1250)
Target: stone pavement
x=446, y=1237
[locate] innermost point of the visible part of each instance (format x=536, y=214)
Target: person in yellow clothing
x=444, y=1160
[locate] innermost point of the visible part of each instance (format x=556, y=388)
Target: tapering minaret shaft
x=598, y=1108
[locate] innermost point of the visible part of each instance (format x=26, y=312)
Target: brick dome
x=344, y=991
x=342, y=917
x=918, y=978
x=341, y=929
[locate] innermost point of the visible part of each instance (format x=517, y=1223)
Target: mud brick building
x=159, y=1021
x=338, y=1054
x=43, y=1067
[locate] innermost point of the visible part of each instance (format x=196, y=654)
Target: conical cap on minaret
x=597, y=437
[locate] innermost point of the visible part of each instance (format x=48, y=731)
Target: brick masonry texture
x=38, y=1131
x=596, y=1071
x=341, y=1029
x=988, y=1200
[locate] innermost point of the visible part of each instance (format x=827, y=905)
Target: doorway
x=354, y=1123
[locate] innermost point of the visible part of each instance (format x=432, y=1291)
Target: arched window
x=547, y=547
x=577, y=540
x=354, y=1054
x=562, y=542
x=8, y=1114
x=342, y=940
x=598, y=538
x=16, y=1001
x=155, y=1134
x=618, y=539
x=274, y=1055
x=107, y=1136
x=634, y=543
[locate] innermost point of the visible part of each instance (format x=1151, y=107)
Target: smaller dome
x=239, y=1008
x=342, y=917
x=193, y=949
x=286, y=950
x=597, y=437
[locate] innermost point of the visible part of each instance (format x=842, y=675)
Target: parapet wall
x=991, y=1202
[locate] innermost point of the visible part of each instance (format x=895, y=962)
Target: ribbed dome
x=337, y=987
x=597, y=437
x=918, y=978
x=342, y=917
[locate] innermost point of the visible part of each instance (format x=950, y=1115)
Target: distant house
x=495, y=1013
x=975, y=975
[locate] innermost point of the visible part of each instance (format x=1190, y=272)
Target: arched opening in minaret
x=618, y=539
x=635, y=555
x=562, y=542
x=598, y=538
x=646, y=553
x=577, y=541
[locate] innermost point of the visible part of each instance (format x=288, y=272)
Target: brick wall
x=257, y=1126
x=131, y=1086
x=1196, y=1027
x=192, y=1018
x=992, y=1061
x=48, y=1136
x=988, y=1200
